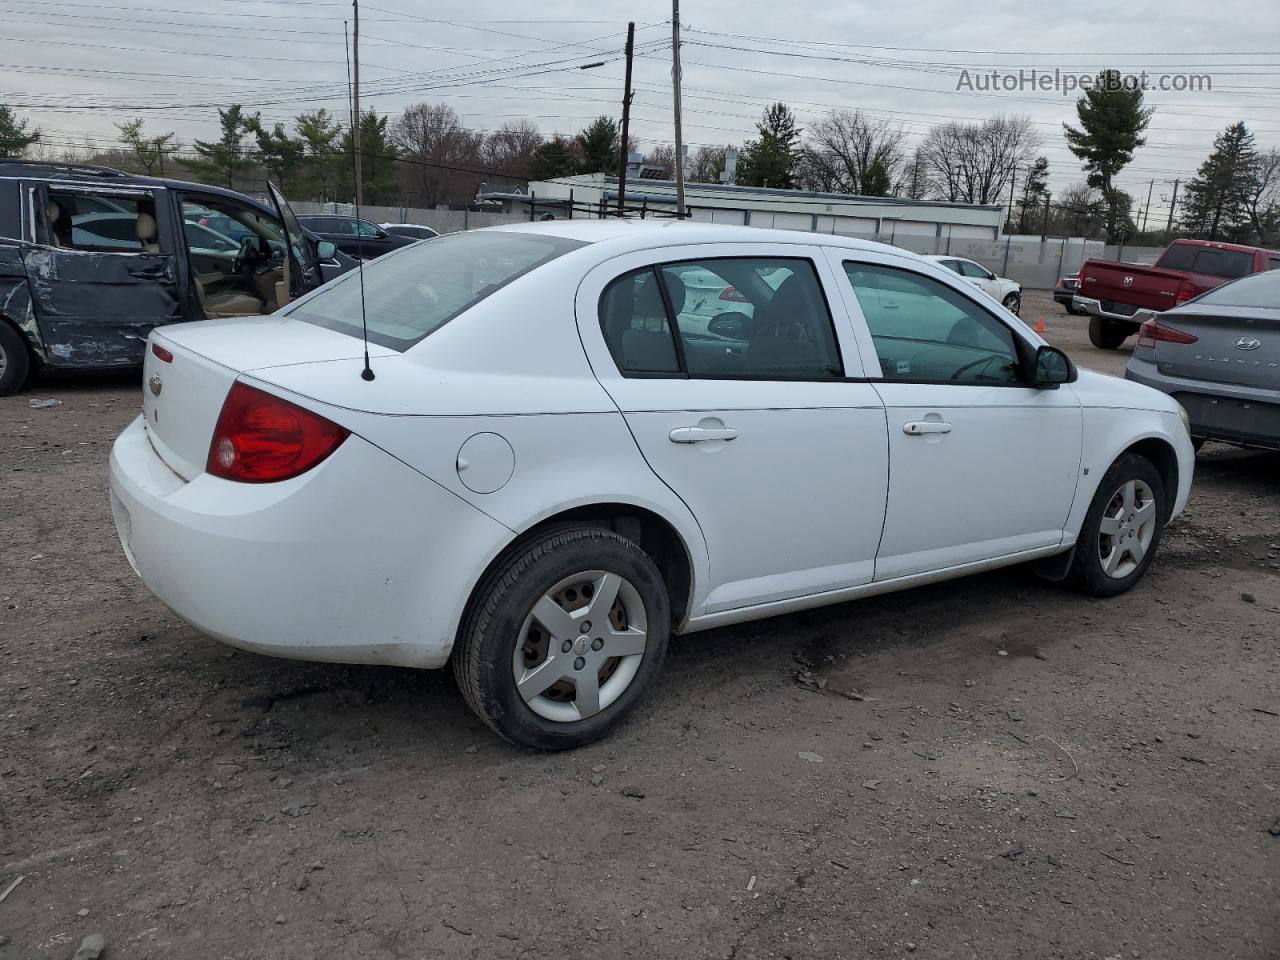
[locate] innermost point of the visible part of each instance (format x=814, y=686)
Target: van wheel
x=564, y=638
x=1107, y=334
x=1121, y=529
x=15, y=362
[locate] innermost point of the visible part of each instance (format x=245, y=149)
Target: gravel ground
x=1028, y=773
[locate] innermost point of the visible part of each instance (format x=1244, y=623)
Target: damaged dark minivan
x=91, y=259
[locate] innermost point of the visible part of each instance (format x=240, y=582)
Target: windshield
x=410, y=293
x=1258, y=290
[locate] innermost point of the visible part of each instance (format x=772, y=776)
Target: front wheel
x=1121, y=529
x=564, y=638
x=1013, y=303
x=1108, y=334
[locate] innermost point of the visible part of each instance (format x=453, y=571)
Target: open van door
x=303, y=266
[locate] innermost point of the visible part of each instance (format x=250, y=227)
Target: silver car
x=1219, y=356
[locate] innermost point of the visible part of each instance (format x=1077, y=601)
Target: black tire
x=15, y=362
x=491, y=632
x=1013, y=303
x=1108, y=334
x=1197, y=443
x=1072, y=310
x=1087, y=571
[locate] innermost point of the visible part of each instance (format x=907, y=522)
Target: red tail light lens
x=261, y=438
x=161, y=353
x=1153, y=330
x=1185, y=293
x=731, y=293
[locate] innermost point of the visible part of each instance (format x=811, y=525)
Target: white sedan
x=557, y=465
x=1001, y=289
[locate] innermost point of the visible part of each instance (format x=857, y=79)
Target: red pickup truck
x=1114, y=293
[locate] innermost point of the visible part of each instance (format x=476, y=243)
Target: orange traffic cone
x=1040, y=325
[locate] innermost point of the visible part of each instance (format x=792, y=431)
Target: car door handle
x=917, y=428
x=702, y=434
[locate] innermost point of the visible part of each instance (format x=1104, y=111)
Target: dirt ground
x=1031, y=773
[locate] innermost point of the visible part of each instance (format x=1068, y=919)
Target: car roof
x=626, y=235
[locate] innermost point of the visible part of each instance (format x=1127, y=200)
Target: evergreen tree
x=1112, y=120
x=771, y=159
x=225, y=158
x=15, y=136
x=599, y=145
x=875, y=179
x=280, y=154
x=378, y=156
x=557, y=157
x=319, y=133
x=1217, y=201
x=150, y=152
x=1034, y=190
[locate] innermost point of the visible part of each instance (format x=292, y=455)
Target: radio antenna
x=367, y=372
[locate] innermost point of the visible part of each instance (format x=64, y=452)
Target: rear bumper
x=360, y=560
x=1232, y=413
x=1096, y=308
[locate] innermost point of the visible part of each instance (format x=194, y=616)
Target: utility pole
x=356, y=128
x=1013, y=182
x=1173, y=205
x=626, y=122
x=1147, y=208
x=1044, y=227
x=675, y=83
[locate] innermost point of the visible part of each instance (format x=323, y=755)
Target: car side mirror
x=1052, y=367
x=326, y=249
x=727, y=325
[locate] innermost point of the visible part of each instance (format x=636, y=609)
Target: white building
x=891, y=219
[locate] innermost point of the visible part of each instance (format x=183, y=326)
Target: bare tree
x=705, y=165
x=1264, y=197
x=849, y=152
x=664, y=156
x=509, y=150
x=438, y=149
x=974, y=162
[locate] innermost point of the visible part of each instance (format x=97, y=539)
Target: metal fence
x=1035, y=263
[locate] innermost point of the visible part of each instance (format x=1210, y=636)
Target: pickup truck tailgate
x=1128, y=287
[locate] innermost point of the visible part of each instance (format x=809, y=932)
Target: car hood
x=1096, y=389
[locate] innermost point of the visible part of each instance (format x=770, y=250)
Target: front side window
x=366, y=229
x=734, y=317
x=973, y=270
x=409, y=294
x=925, y=331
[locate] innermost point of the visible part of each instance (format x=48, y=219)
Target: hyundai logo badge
x=1246, y=343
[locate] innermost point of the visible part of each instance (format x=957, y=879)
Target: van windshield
x=409, y=293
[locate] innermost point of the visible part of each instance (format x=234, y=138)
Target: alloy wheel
x=1127, y=527
x=581, y=646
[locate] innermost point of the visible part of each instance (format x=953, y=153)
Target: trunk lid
x=1239, y=345
x=182, y=396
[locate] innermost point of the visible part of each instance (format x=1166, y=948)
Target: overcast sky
x=81, y=65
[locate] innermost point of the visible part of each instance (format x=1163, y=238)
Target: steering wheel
x=980, y=362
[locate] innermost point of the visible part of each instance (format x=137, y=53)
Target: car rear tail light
x=261, y=438
x=1185, y=293
x=1153, y=330
x=162, y=353
x=731, y=293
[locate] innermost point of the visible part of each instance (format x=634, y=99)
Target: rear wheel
x=15, y=362
x=564, y=638
x=1108, y=334
x=1121, y=529
x=1013, y=303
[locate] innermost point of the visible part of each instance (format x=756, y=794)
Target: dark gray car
x=1219, y=356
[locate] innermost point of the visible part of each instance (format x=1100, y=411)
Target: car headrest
x=145, y=227
x=789, y=304
x=53, y=212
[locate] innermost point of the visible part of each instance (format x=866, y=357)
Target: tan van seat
x=227, y=303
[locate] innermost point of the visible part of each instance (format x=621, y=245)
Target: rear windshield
x=1259, y=290
x=411, y=292
x=1215, y=263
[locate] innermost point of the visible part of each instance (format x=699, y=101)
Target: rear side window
x=1216, y=263
x=410, y=293
x=107, y=223
x=740, y=317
